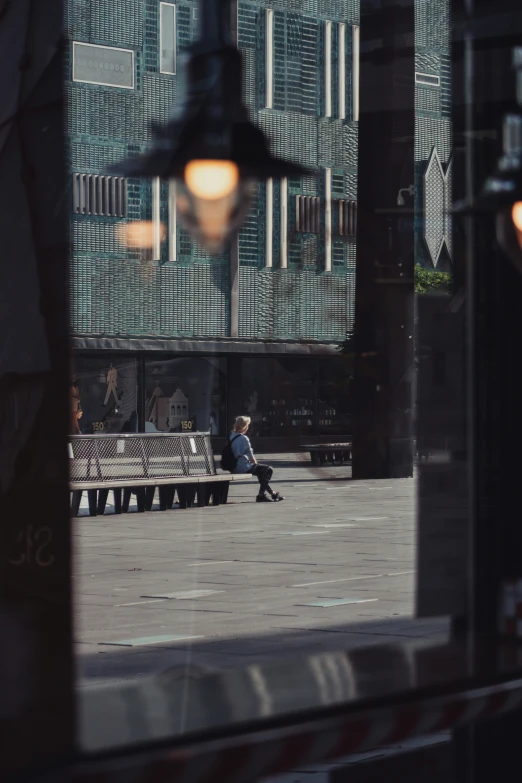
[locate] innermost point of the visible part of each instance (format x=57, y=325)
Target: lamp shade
x=211, y=125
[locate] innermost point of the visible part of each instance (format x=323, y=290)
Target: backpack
x=228, y=460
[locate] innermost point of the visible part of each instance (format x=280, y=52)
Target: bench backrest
x=140, y=456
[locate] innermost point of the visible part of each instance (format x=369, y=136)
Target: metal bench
x=175, y=463
x=321, y=453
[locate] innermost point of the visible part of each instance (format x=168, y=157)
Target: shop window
x=334, y=396
x=279, y=396
x=103, y=395
x=94, y=194
x=185, y=395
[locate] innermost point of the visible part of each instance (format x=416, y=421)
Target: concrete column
x=355, y=73
x=156, y=219
x=342, y=71
x=173, y=222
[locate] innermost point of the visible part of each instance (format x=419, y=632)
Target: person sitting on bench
x=247, y=463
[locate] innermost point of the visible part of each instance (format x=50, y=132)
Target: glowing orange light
x=211, y=179
x=516, y=214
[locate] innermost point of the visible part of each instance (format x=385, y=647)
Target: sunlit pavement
x=331, y=567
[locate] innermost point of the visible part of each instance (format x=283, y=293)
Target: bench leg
x=126, y=499
x=117, y=500
x=182, y=495
x=163, y=493
x=103, y=494
x=92, y=495
x=224, y=492
x=220, y=492
x=186, y=494
x=76, y=500
x=140, y=499
x=215, y=493
x=314, y=456
x=204, y=492
x=149, y=497
x=171, y=491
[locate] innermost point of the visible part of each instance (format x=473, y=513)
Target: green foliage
x=431, y=280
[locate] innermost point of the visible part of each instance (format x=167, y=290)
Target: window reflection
x=185, y=394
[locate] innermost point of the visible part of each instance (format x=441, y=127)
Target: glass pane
x=336, y=356
x=280, y=396
x=168, y=38
x=104, y=395
x=185, y=394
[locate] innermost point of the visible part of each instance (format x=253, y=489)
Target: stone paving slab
x=261, y=570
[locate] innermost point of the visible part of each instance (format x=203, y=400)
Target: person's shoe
x=263, y=499
x=277, y=497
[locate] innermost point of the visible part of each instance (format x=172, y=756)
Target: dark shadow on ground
x=201, y=656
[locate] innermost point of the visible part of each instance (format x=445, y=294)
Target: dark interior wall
x=35, y=611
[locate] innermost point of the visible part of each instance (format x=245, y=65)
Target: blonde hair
x=241, y=422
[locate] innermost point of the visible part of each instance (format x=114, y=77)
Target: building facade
x=151, y=327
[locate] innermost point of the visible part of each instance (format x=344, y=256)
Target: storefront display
x=333, y=397
x=104, y=395
x=285, y=398
x=185, y=394
x=279, y=396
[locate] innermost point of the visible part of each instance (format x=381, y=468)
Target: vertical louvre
x=328, y=220
x=327, y=69
x=99, y=195
x=308, y=214
x=284, y=223
x=269, y=222
x=355, y=73
x=173, y=233
x=347, y=218
x=156, y=218
x=342, y=70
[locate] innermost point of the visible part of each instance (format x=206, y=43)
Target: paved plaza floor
x=331, y=567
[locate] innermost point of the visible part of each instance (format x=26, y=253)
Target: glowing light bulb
x=516, y=214
x=211, y=179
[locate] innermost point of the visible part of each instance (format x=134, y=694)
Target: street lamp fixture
x=401, y=201
x=209, y=147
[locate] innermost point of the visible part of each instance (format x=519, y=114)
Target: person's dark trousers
x=264, y=474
